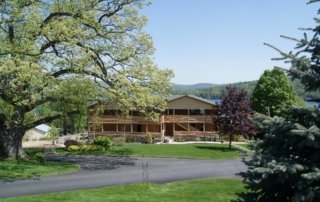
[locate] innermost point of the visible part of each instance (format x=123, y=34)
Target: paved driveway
x=103, y=171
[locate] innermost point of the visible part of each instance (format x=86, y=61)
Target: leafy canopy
x=63, y=52
x=57, y=55
x=274, y=94
x=234, y=114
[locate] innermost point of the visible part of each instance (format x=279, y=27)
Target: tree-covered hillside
x=214, y=92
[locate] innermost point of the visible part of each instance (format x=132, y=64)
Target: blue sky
x=219, y=41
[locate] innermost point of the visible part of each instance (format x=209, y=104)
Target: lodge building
x=185, y=118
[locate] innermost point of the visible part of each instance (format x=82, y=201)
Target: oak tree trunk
x=11, y=143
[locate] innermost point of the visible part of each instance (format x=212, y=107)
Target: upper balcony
x=119, y=119
x=187, y=119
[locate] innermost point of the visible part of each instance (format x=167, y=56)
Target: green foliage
x=57, y=56
x=274, y=94
x=54, y=133
x=73, y=148
x=118, y=141
x=149, y=139
x=103, y=141
x=214, y=92
x=85, y=148
x=285, y=165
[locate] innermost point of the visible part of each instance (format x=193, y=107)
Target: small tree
x=53, y=133
x=274, y=94
x=233, y=114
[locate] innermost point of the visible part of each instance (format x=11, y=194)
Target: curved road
x=103, y=171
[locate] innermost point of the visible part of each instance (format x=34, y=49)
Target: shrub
x=69, y=143
x=88, y=148
x=149, y=139
x=118, y=141
x=130, y=138
x=44, y=138
x=74, y=148
x=85, y=148
x=39, y=158
x=105, y=142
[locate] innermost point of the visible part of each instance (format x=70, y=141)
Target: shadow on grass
x=214, y=148
x=93, y=162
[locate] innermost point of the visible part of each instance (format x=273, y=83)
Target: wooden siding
x=189, y=103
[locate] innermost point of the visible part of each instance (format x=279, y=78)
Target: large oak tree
x=65, y=53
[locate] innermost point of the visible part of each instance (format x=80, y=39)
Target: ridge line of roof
x=175, y=97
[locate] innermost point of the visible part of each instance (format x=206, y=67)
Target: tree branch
x=49, y=119
x=53, y=15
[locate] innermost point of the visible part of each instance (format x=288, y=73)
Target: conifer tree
x=286, y=163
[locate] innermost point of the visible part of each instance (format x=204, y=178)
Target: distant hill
x=213, y=91
x=194, y=86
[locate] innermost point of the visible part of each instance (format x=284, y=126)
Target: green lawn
x=218, y=190
x=22, y=169
x=247, y=146
x=197, y=151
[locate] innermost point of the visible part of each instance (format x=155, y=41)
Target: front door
x=169, y=129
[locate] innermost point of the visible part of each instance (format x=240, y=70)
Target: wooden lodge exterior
x=185, y=118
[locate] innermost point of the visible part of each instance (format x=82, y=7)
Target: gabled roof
x=175, y=97
x=43, y=127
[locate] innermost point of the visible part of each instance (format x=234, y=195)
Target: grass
x=22, y=169
x=247, y=146
x=195, y=151
x=210, y=189
x=11, y=169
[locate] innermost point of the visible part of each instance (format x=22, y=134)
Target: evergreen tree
x=286, y=163
x=274, y=94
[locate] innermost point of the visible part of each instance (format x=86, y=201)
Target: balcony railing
x=143, y=120
x=119, y=119
x=187, y=119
